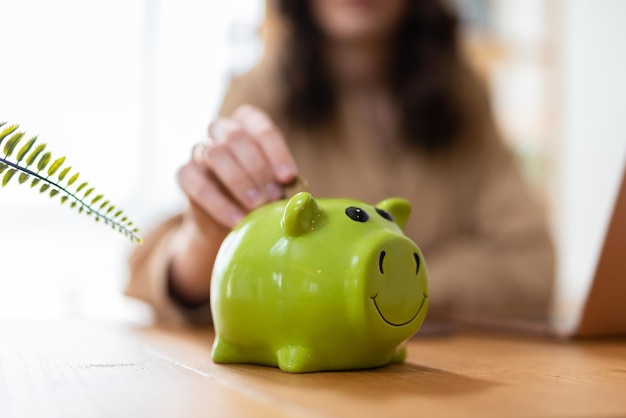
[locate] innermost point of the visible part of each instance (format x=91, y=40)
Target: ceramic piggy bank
x=318, y=284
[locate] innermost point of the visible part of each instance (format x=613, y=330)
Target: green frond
x=73, y=179
x=12, y=142
x=64, y=172
x=7, y=131
x=7, y=176
x=55, y=165
x=43, y=177
x=25, y=148
x=34, y=154
x=23, y=178
x=44, y=160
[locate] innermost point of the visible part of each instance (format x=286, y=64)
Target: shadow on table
x=383, y=382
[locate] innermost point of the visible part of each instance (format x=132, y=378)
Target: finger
x=220, y=161
x=248, y=154
x=205, y=191
x=271, y=141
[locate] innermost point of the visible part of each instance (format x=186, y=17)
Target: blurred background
x=124, y=88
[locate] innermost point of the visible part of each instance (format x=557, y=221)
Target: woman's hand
x=245, y=165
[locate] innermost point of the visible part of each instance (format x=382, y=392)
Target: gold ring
x=197, y=152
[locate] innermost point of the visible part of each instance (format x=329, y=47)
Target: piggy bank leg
x=296, y=359
x=399, y=356
x=225, y=352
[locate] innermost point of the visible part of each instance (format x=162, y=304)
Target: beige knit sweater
x=484, y=238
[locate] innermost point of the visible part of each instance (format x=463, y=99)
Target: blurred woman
x=365, y=99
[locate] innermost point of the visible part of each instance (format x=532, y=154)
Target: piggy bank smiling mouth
x=425, y=296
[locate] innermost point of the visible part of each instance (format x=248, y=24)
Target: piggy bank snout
x=398, y=287
x=396, y=256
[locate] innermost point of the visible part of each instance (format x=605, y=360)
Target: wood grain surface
x=85, y=368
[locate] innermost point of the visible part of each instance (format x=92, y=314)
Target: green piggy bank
x=318, y=284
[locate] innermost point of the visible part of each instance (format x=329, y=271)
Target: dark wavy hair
x=425, y=63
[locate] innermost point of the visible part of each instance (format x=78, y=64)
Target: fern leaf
x=73, y=179
x=3, y=167
x=2, y=124
x=64, y=199
x=12, y=142
x=95, y=199
x=117, y=214
x=34, y=182
x=82, y=186
x=54, y=192
x=64, y=173
x=55, y=165
x=88, y=192
x=44, y=187
x=110, y=209
x=7, y=131
x=44, y=160
x=23, y=178
x=24, y=150
x=102, y=206
x=7, y=176
x=34, y=154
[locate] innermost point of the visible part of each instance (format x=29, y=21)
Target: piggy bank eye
x=385, y=214
x=357, y=214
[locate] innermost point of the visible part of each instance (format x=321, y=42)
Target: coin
x=298, y=185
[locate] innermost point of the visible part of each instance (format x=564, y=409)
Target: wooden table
x=81, y=368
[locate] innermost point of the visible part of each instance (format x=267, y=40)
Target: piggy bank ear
x=300, y=214
x=399, y=208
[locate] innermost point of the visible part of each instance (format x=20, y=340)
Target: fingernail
x=274, y=191
x=286, y=171
x=254, y=197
